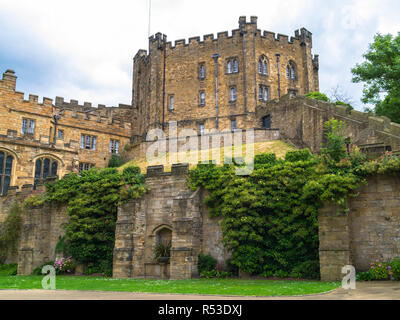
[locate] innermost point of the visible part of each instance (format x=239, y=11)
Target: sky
x=83, y=49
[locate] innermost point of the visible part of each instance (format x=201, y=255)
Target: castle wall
x=174, y=70
x=301, y=121
x=370, y=231
x=74, y=120
x=169, y=204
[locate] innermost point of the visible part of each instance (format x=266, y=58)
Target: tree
x=380, y=74
x=339, y=96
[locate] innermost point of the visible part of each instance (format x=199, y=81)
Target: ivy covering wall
x=92, y=199
x=270, y=218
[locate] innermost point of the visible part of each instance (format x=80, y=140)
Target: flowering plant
x=381, y=270
x=64, y=266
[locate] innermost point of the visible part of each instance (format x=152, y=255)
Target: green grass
x=231, y=287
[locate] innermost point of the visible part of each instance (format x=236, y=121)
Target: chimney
x=10, y=79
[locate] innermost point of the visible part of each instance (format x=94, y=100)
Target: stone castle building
x=218, y=83
x=249, y=79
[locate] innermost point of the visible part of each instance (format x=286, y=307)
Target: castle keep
x=247, y=79
x=219, y=82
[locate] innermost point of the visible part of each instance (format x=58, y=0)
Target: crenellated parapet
x=300, y=36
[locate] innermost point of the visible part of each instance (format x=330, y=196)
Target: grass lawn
x=230, y=287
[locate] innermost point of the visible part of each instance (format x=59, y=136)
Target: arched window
x=291, y=71
x=45, y=168
x=263, y=65
x=6, y=165
x=235, y=66
x=230, y=69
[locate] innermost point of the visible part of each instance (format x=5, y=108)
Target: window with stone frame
x=263, y=93
x=232, y=94
x=202, y=71
x=232, y=66
x=291, y=71
x=6, y=166
x=263, y=65
x=28, y=126
x=201, y=128
x=233, y=124
x=171, y=102
x=60, y=134
x=202, y=98
x=85, y=166
x=88, y=142
x=44, y=168
x=114, y=146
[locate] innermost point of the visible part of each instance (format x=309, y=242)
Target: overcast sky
x=83, y=49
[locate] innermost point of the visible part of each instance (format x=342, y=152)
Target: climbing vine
x=270, y=218
x=10, y=233
x=92, y=199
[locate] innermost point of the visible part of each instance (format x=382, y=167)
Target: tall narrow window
x=260, y=92
x=60, y=134
x=230, y=68
x=233, y=124
x=171, y=102
x=235, y=66
x=266, y=94
x=263, y=65
x=202, y=129
x=114, y=146
x=45, y=168
x=6, y=165
x=202, y=98
x=202, y=71
x=233, y=94
x=291, y=71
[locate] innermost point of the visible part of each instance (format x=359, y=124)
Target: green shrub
x=10, y=233
x=348, y=105
x=380, y=270
x=365, y=276
x=34, y=201
x=308, y=270
x=206, y=263
x=116, y=161
x=162, y=250
x=8, y=269
x=395, y=269
x=38, y=270
x=231, y=268
x=318, y=96
x=64, y=266
x=214, y=274
x=298, y=155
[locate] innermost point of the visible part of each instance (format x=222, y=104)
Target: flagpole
x=149, y=19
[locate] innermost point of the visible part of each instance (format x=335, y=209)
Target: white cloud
x=91, y=43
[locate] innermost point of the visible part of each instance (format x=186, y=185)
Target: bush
x=206, y=263
x=380, y=270
x=298, y=155
x=9, y=269
x=64, y=266
x=318, y=96
x=308, y=270
x=38, y=270
x=116, y=161
x=231, y=268
x=395, y=269
x=365, y=276
x=162, y=250
x=10, y=233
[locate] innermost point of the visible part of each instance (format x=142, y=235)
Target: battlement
x=300, y=36
x=176, y=170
